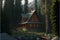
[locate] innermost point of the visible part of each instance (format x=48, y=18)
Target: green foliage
x=52, y=17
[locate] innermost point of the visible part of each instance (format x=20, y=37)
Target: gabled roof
x=28, y=16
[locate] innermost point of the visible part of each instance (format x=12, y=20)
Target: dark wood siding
x=35, y=27
x=34, y=18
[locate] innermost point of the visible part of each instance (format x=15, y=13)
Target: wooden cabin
x=32, y=22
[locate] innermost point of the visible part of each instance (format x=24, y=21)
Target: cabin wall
x=35, y=27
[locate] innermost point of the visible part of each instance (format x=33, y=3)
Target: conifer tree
x=26, y=6
x=36, y=5
x=53, y=18
x=7, y=16
x=18, y=11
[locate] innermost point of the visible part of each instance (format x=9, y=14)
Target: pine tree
x=26, y=6
x=36, y=5
x=18, y=11
x=40, y=7
x=7, y=16
x=53, y=18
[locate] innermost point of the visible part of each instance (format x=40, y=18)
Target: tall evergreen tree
x=36, y=5
x=7, y=16
x=26, y=6
x=18, y=11
x=40, y=7
x=48, y=4
x=53, y=18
